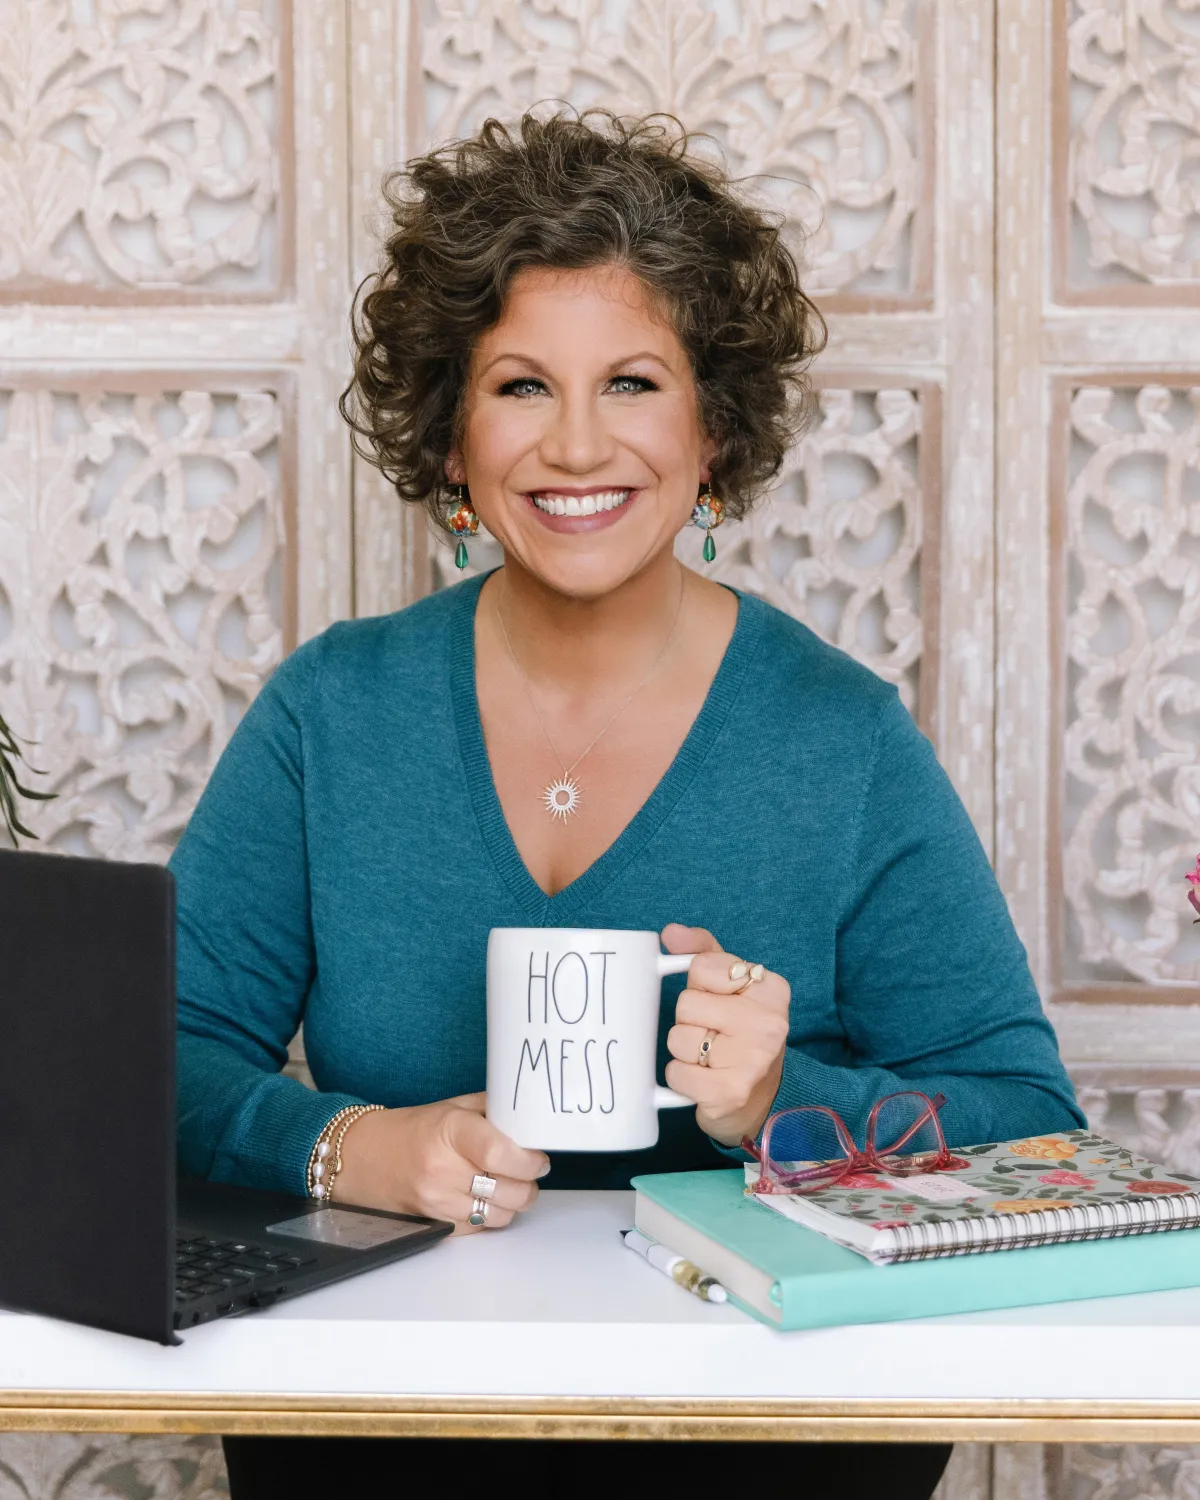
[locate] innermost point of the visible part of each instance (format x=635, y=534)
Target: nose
x=576, y=439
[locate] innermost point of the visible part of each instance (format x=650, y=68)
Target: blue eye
x=524, y=385
x=631, y=385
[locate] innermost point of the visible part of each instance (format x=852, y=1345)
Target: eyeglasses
x=810, y=1147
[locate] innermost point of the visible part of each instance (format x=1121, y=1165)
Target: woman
x=582, y=337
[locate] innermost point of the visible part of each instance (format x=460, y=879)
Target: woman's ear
x=456, y=470
x=709, y=450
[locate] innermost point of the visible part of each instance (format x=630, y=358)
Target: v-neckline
x=481, y=786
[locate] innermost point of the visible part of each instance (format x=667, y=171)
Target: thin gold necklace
x=561, y=798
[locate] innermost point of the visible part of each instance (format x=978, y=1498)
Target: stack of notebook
x=1080, y=1209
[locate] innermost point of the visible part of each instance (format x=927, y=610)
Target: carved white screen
x=1131, y=141
x=818, y=109
x=1130, y=565
x=138, y=146
x=145, y=593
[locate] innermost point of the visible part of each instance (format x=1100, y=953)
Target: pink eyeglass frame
x=828, y=1174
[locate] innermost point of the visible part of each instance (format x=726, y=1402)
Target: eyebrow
x=536, y=364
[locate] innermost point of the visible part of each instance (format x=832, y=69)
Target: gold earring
x=462, y=522
x=708, y=513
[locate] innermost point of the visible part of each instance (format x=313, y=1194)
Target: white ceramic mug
x=572, y=1037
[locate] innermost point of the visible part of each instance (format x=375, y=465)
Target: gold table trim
x=632, y=1418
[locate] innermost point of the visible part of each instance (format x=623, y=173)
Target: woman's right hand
x=421, y=1160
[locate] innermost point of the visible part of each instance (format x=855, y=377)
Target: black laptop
x=93, y=1226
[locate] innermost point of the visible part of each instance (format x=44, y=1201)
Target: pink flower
x=1068, y=1179
x=908, y=1208
x=864, y=1180
x=1193, y=876
x=888, y=1224
x=1159, y=1187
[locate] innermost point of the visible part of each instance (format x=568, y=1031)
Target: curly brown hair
x=570, y=192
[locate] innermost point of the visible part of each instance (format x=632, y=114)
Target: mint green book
x=792, y=1277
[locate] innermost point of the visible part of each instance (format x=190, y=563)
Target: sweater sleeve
x=246, y=956
x=932, y=983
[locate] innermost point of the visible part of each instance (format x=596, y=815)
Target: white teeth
x=580, y=505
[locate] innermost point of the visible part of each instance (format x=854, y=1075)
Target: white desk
x=551, y=1326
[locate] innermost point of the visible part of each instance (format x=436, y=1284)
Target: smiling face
x=581, y=438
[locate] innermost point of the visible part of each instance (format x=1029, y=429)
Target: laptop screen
x=87, y=1090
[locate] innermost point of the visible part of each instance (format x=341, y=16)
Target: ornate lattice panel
x=845, y=540
x=1127, y=149
x=841, y=542
x=1129, y=561
x=37, y=1467
x=821, y=105
x=139, y=149
x=1156, y=1114
x=1125, y=1471
x=143, y=593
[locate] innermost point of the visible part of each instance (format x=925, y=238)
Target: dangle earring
x=462, y=522
x=708, y=513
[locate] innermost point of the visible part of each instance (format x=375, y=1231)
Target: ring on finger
x=706, y=1047
x=483, y=1186
x=748, y=973
x=479, y=1212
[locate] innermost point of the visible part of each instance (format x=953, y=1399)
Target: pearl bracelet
x=322, y=1172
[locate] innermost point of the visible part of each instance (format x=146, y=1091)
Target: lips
x=556, y=503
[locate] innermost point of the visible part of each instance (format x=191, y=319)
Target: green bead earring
x=708, y=513
x=462, y=522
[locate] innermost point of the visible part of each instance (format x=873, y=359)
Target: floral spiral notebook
x=1040, y=1191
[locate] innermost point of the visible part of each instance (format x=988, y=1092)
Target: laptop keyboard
x=205, y=1266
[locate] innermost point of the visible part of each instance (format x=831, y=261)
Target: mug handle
x=672, y=963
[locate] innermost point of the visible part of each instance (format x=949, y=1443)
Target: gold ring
x=706, y=1048
x=748, y=973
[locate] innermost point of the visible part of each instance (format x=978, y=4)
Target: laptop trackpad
x=349, y=1231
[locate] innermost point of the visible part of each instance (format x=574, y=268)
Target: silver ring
x=483, y=1186
x=479, y=1212
x=706, y=1048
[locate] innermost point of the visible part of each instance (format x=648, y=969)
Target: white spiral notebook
x=1041, y=1191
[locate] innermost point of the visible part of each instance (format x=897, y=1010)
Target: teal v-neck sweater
x=349, y=856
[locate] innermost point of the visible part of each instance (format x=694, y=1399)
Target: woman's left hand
x=734, y=1091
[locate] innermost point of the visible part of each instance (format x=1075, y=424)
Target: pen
x=682, y=1271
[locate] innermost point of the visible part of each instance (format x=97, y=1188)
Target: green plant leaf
x=11, y=787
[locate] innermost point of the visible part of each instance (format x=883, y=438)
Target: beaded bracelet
x=322, y=1172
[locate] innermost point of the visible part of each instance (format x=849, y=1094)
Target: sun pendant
x=561, y=798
